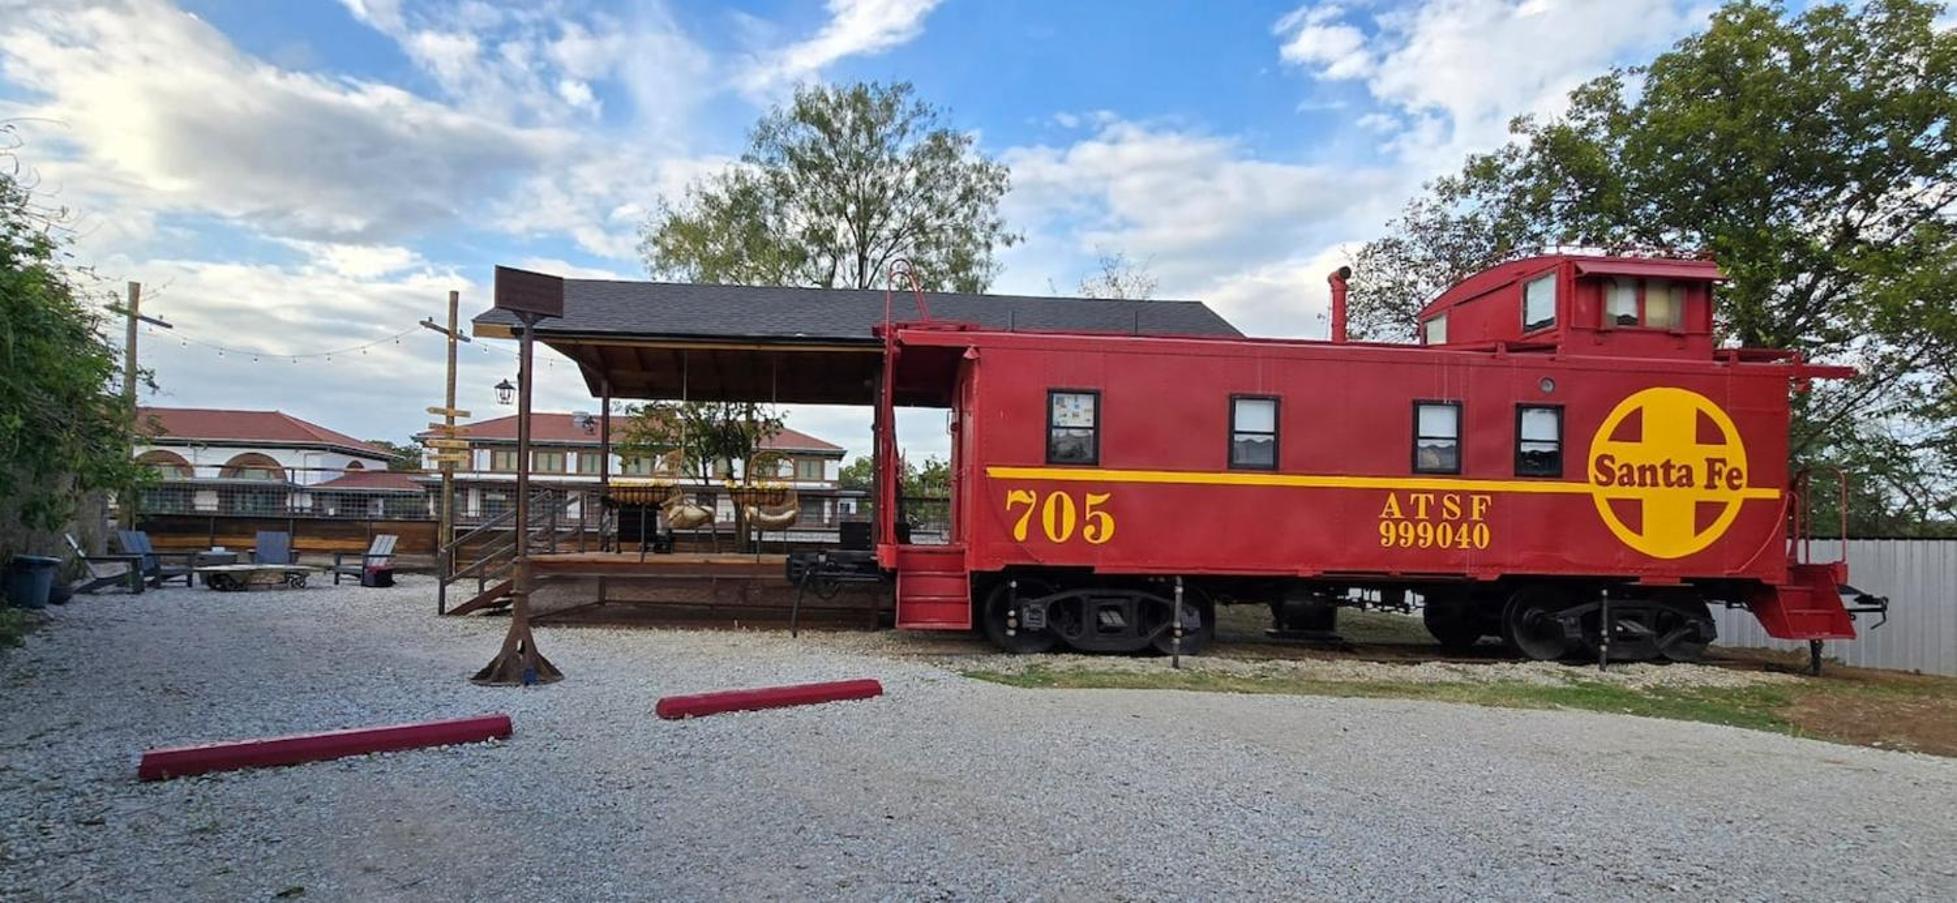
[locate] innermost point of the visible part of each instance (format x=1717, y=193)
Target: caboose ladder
x=934, y=591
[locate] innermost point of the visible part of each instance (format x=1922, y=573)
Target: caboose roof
x=793, y=345
x=1513, y=271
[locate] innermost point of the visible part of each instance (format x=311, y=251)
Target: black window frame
x=1095, y=459
x=1555, y=281
x=1521, y=471
x=1460, y=448
x=1277, y=420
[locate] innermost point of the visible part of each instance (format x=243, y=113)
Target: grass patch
x=15, y=624
x=1756, y=707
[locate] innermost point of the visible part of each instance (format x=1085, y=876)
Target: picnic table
x=238, y=577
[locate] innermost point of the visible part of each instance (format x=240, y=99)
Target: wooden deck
x=696, y=589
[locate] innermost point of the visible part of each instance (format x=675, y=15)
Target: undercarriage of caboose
x=1543, y=620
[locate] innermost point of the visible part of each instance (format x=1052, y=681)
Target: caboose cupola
x=1577, y=304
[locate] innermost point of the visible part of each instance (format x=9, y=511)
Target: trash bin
x=377, y=575
x=29, y=578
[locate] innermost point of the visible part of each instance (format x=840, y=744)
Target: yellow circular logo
x=1668, y=472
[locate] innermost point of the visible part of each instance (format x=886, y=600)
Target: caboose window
x=1437, y=330
x=1622, y=306
x=1437, y=437
x=1538, y=441
x=1664, y=303
x=1539, y=303
x=1073, y=427
x=1253, y=432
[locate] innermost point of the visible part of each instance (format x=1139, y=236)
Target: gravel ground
x=946, y=788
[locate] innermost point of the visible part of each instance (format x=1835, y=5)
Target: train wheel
x=1197, y=609
x=1453, y=621
x=1684, y=629
x=1020, y=641
x=1529, y=623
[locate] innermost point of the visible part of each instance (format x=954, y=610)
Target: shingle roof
x=386, y=480
x=246, y=427
x=600, y=306
x=551, y=427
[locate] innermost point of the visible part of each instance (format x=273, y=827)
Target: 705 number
x=1060, y=515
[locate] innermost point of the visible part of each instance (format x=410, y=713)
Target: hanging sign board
x=526, y=292
x=450, y=458
x=443, y=428
x=446, y=443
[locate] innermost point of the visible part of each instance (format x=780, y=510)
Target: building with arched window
x=266, y=463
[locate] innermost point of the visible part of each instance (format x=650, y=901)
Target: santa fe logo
x=1668, y=472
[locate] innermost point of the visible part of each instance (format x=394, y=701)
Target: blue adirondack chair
x=274, y=547
x=157, y=567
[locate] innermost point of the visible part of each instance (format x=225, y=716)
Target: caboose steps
x=934, y=590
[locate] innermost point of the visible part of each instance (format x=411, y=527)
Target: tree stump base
x=519, y=664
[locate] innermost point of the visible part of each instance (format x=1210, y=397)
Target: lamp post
x=529, y=297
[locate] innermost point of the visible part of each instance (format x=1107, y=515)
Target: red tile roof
x=372, y=479
x=547, y=427
x=245, y=428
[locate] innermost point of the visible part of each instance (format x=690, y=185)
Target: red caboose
x=1567, y=437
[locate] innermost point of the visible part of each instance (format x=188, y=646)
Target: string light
x=188, y=341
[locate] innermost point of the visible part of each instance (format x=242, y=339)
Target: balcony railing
x=310, y=493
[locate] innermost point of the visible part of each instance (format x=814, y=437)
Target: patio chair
x=380, y=554
x=273, y=547
x=157, y=567
x=130, y=577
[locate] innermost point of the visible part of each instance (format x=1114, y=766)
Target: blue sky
x=298, y=177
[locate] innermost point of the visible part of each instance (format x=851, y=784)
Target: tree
x=1119, y=278
x=931, y=481
x=402, y=457
x=859, y=475
x=709, y=438
x=64, y=431
x=833, y=189
x=1814, y=156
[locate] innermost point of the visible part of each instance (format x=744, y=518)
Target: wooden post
x=604, y=460
x=126, y=511
x=445, y=530
x=519, y=662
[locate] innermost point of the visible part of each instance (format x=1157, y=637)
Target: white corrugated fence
x=1920, y=578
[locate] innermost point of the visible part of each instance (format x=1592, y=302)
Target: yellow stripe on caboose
x=1338, y=481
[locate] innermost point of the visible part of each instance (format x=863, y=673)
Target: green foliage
x=63, y=431
x=1814, y=157
x=706, y=436
x=402, y=457
x=859, y=474
x=832, y=190
x=931, y=481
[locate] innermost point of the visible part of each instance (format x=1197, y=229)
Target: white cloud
x=855, y=27
x=539, y=64
x=560, y=267
x=1460, y=69
x=1191, y=203
x=1314, y=38
x=1288, y=297
x=356, y=261
x=599, y=201
x=291, y=153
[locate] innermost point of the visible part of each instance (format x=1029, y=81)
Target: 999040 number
x=1061, y=517
x=1426, y=534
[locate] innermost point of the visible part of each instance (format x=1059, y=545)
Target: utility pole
x=446, y=448
x=126, y=512
x=131, y=309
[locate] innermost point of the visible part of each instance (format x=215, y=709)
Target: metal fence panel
x=1920, y=578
